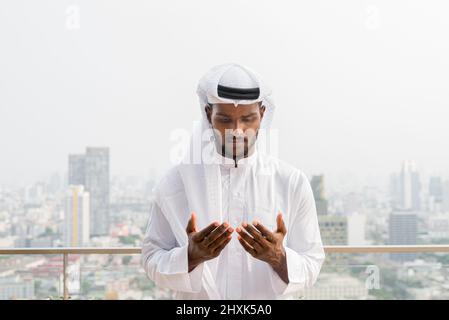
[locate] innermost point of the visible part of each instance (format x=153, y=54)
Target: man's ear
x=208, y=110
x=262, y=111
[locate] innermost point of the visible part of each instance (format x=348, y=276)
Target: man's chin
x=238, y=152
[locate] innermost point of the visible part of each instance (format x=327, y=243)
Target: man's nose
x=239, y=132
x=239, y=126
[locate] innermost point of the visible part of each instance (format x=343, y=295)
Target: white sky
x=359, y=85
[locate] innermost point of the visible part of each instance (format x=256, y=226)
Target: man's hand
x=265, y=245
x=206, y=244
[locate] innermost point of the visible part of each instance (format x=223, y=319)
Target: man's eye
x=249, y=119
x=224, y=120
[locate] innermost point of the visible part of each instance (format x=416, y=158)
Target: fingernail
x=229, y=237
x=216, y=223
x=244, y=224
x=238, y=229
x=239, y=237
x=255, y=222
x=225, y=224
x=230, y=230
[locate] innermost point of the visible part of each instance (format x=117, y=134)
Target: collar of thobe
x=230, y=163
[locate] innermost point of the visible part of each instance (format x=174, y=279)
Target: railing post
x=65, y=259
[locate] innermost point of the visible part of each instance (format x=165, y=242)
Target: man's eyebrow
x=250, y=115
x=221, y=114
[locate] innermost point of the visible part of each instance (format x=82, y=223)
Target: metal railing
x=65, y=252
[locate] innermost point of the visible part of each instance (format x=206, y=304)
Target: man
x=234, y=223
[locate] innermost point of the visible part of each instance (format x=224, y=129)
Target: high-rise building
x=333, y=229
x=77, y=229
x=436, y=188
x=405, y=188
x=446, y=196
x=334, y=232
x=395, y=191
x=410, y=187
x=435, y=194
x=97, y=184
x=92, y=171
x=403, y=230
x=77, y=172
x=317, y=184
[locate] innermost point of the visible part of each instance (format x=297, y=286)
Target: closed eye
x=223, y=119
x=249, y=119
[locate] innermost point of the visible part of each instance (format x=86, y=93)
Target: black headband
x=238, y=93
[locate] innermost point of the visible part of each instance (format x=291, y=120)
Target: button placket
x=237, y=207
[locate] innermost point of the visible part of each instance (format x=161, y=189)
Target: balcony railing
x=65, y=252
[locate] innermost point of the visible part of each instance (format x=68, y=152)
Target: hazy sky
x=359, y=85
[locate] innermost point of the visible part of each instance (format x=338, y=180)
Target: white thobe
x=258, y=188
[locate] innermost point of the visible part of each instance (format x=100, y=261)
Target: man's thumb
x=280, y=224
x=191, y=225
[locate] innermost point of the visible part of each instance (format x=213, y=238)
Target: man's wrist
x=279, y=265
x=280, y=261
x=193, y=263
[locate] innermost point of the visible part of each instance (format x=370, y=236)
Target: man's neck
x=236, y=159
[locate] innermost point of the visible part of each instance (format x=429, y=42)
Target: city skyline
x=48, y=214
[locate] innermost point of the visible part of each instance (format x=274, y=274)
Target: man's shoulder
x=287, y=174
x=170, y=182
x=282, y=168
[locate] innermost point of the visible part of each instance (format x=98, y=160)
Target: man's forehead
x=230, y=107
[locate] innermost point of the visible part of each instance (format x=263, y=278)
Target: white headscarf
x=218, y=85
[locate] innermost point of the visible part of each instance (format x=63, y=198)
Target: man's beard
x=243, y=147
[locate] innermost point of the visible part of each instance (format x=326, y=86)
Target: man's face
x=236, y=127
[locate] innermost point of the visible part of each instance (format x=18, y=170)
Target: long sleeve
x=164, y=261
x=303, y=245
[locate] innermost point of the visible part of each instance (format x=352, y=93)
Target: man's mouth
x=237, y=141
